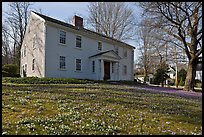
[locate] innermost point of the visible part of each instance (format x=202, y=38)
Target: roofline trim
x=50, y=19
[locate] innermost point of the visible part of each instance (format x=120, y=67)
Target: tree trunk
x=145, y=75
x=190, y=76
x=162, y=83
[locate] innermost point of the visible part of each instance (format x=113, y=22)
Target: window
x=113, y=67
x=78, y=41
x=99, y=65
x=125, y=53
x=24, y=51
x=33, y=64
x=78, y=64
x=116, y=50
x=22, y=69
x=28, y=29
x=25, y=68
x=124, y=69
x=62, y=62
x=93, y=66
x=62, y=37
x=99, y=45
x=34, y=41
x=132, y=54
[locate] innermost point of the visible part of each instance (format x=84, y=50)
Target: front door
x=106, y=70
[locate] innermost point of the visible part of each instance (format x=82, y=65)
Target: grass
x=96, y=108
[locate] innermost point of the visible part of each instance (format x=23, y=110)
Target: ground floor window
x=93, y=66
x=113, y=67
x=124, y=69
x=62, y=62
x=78, y=64
x=33, y=64
x=24, y=70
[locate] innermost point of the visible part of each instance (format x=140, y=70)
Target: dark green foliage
x=182, y=81
x=161, y=74
x=182, y=76
x=36, y=80
x=10, y=70
x=198, y=83
x=5, y=73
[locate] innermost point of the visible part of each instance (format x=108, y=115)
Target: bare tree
x=113, y=19
x=145, y=38
x=6, y=49
x=181, y=20
x=17, y=19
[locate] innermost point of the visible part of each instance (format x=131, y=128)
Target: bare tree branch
x=115, y=20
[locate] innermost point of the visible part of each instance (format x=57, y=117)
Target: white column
x=118, y=74
x=102, y=69
x=111, y=74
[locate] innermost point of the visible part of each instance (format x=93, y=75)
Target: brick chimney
x=77, y=21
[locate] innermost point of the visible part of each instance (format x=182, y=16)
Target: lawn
x=96, y=108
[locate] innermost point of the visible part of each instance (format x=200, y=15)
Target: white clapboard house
x=52, y=48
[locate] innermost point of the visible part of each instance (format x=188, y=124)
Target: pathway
x=178, y=92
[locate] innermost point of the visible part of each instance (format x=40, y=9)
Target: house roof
x=80, y=29
x=101, y=53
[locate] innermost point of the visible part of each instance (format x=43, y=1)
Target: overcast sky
x=65, y=10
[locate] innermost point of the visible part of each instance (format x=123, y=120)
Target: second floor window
x=99, y=45
x=24, y=51
x=62, y=62
x=62, y=37
x=116, y=50
x=125, y=53
x=78, y=41
x=78, y=64
x=34, y=41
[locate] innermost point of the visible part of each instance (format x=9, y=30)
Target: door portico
x=108, y=65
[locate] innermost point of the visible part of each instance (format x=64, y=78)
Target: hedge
x=36, y=80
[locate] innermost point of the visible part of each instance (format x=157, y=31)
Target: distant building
x=140, y=78
x=199, y=70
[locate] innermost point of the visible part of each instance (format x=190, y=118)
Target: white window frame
x=100, y=49
x=22, y=69
x=124, y=69
x=76, y=65
x=34, y=41
x=60, y=37
x=33, y=64
x=77, y=41
x=93, y=66
x=125, y=53
x=28, y=29
x=116, y=50
x=24, y=51
x=25, y=68
x=62, y=63
x=113, y=67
